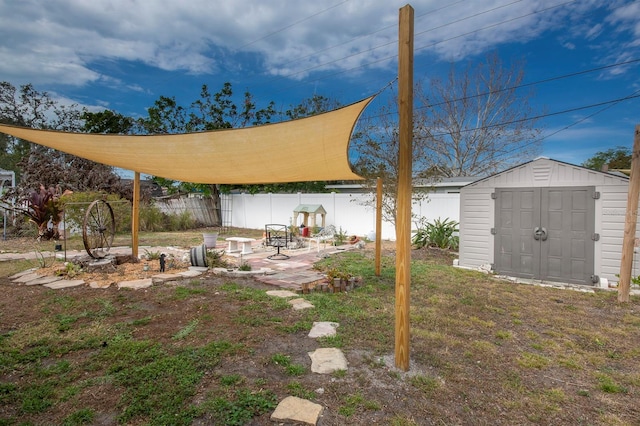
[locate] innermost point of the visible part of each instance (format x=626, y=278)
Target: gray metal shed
x=546, y=220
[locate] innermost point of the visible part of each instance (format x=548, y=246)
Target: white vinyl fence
x=344, y=211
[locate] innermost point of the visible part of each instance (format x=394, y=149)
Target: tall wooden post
x=135, y=215
x=630, y=222
x=378, y=225
x=403, y=212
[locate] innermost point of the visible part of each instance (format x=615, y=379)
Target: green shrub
x=76, y=204
x=439, y=233
x=215, y=259
x=181, y=221
x=244, y=266
x=151, y=218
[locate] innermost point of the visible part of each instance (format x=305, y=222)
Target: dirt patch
x=434, y=255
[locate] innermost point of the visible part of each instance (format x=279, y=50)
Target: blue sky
x=124, y=54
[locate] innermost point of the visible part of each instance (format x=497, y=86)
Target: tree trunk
x=217, y=212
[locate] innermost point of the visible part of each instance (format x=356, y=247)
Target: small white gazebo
x=307, y=210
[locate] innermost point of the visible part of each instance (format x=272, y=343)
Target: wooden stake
x=135, y=215
x=378, y=226
x=630, y=222
x=403, y=212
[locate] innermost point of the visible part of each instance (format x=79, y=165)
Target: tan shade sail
x=307, y=149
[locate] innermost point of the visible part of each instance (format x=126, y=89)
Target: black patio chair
x=276, y=236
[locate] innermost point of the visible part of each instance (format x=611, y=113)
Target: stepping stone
x=299, y=304
x=19, y=274
x=44, y=280
x=297, y=410
x=27, y=277
x=281, y=293
x=160, y=278
x=190, y=273
x=136, y=284
x=327, y=360
x=95, y=284
x=323, y=329
x=64, y=284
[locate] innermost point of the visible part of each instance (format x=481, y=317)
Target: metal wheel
x=98, y=229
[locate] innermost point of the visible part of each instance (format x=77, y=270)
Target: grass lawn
x=220, y=351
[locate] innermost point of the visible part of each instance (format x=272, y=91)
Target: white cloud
x=594, y=32
x=62, y=41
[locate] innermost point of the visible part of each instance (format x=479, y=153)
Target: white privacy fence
x=344, y=211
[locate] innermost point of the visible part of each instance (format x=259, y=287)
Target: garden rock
x=323, y=329
x=327, y=360
x=44, y=280
x=136, y=284
x=161, y=278
x=64, y=284
x=281, y=293
x=300, y=303
x=297, y=410
x=26, y=278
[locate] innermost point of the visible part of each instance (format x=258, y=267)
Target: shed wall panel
x=476, y=218
x=610, y=225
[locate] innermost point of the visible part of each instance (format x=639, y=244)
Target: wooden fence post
x=378, y=225
x=135, y=215
x=630, y=222
x=403, y=212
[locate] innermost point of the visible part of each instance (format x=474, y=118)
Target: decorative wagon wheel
x=98, y=229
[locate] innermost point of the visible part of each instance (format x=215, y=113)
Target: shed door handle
x=544, y=234
x=540, y=233
x=537, y=233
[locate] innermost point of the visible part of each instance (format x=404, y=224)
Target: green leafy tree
x=219, y=111
x=164, y=117
x=317, y=104
x=107, y=122
x=618, y=158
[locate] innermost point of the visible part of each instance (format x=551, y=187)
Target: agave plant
x=439, y=233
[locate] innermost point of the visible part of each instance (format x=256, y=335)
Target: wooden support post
x=630, y=222
x=378, y=226
x=403, y=212
x=135, y=215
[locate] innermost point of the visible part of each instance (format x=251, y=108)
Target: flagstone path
x=323, y=361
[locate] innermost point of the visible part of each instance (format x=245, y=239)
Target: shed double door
x=545, y=233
